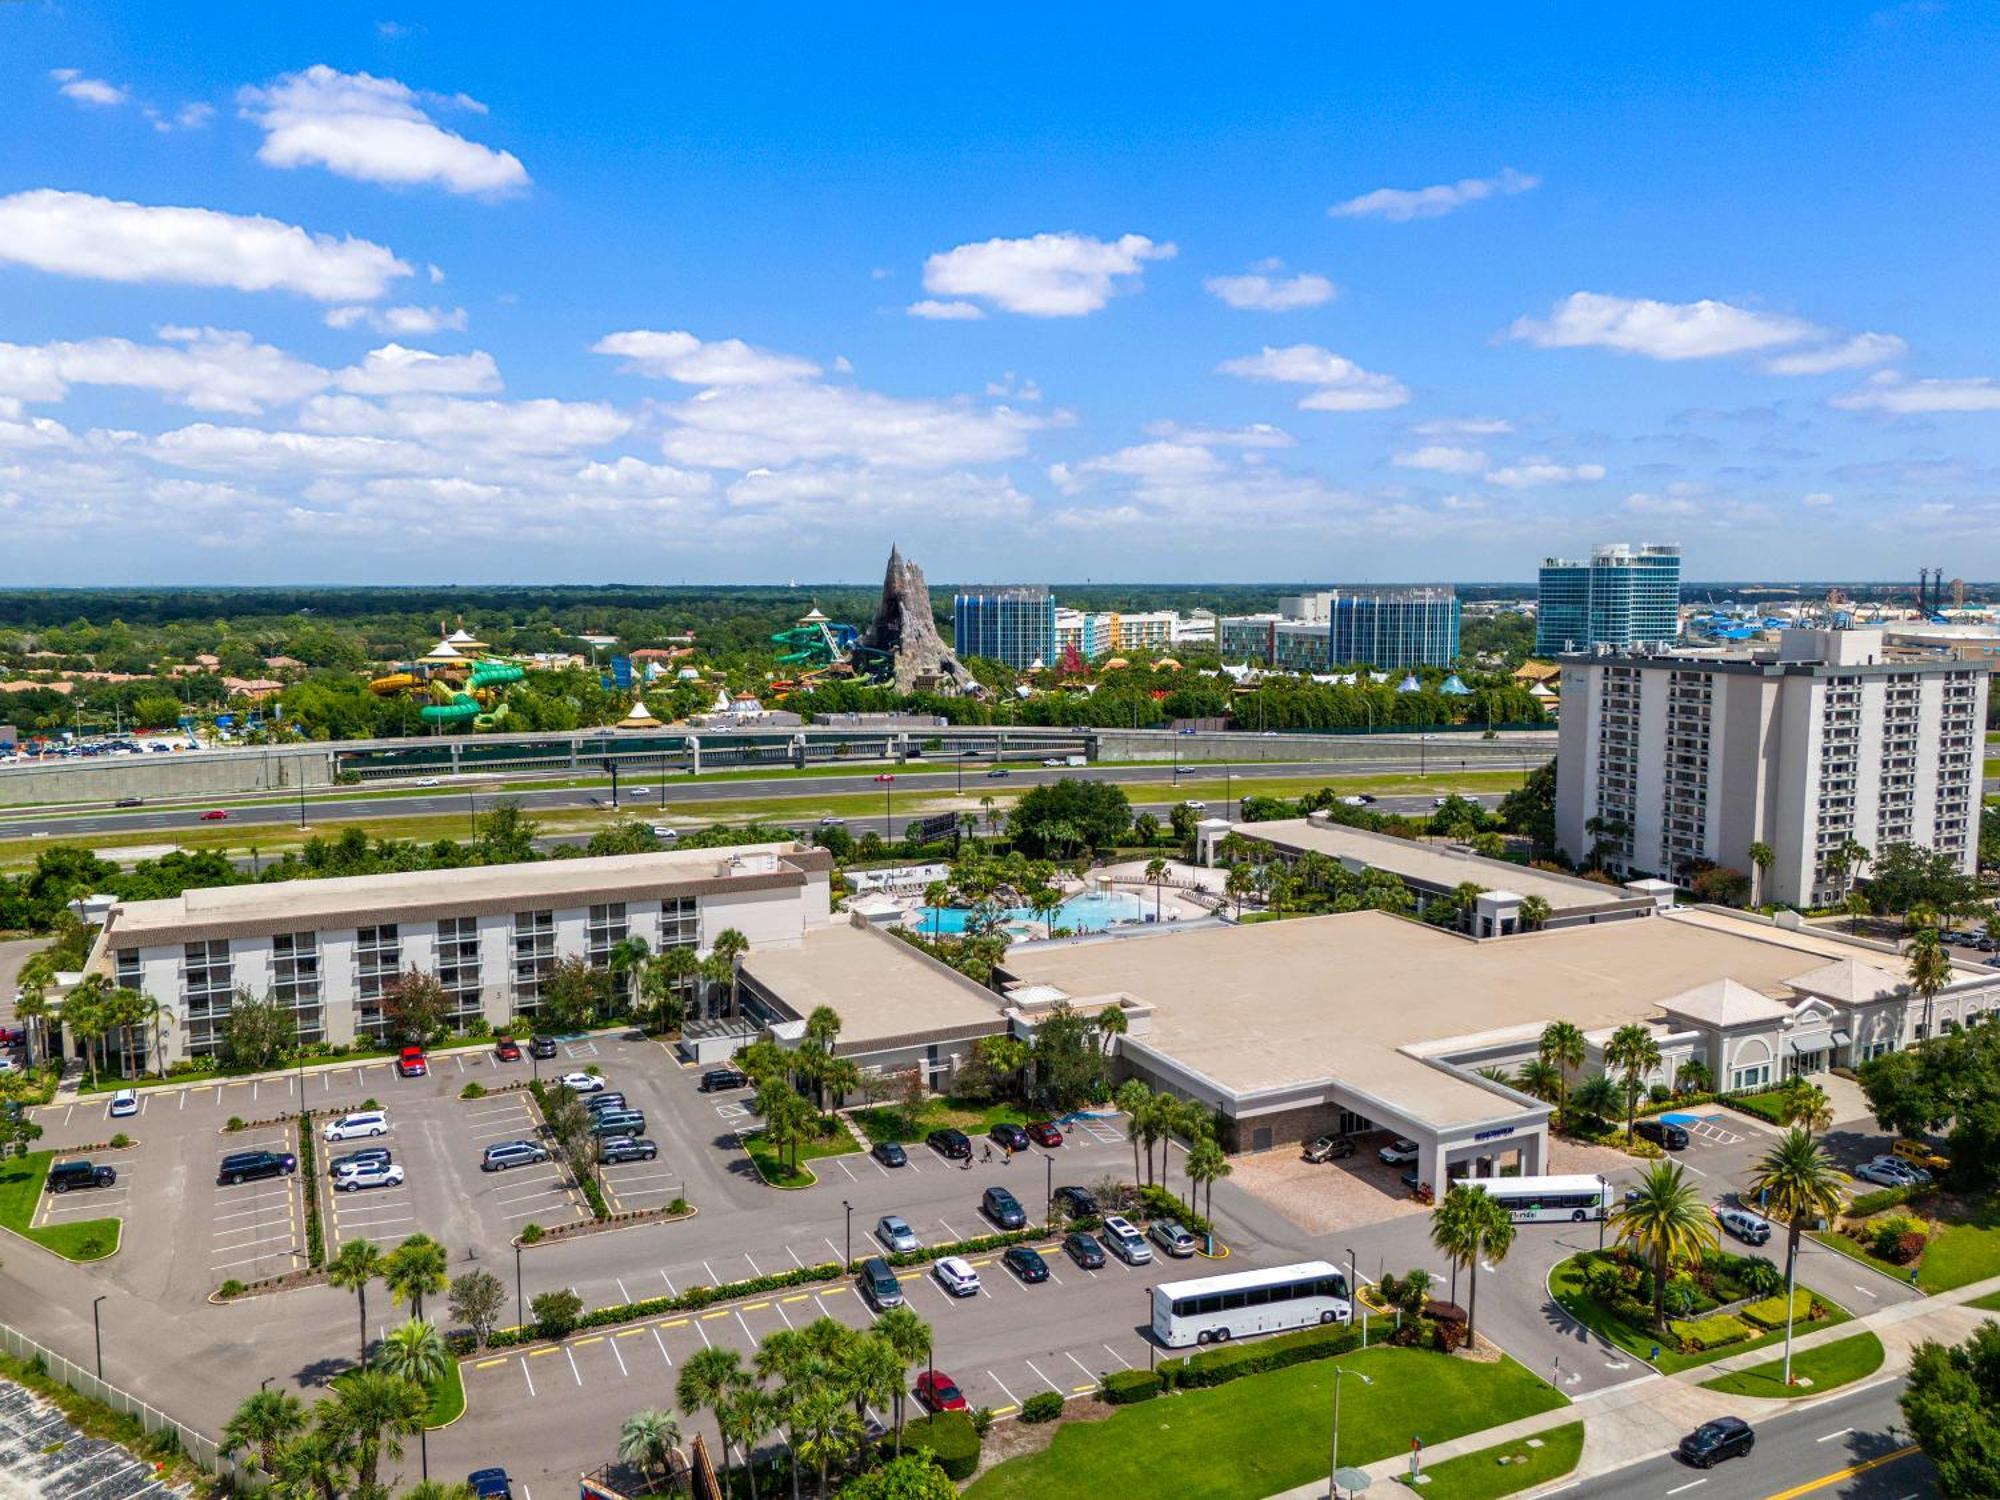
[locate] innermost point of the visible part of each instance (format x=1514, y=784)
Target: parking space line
x=834, y=1250
x=842, y=1164
x=1083, y=1367
x=956, y=1236
x=623, y=1295
x=706, y=1341
x=529, y=1378
x=487, y=1364
x=795, y=1257
x=786, y=1316
x=621, y=1361
x=705, y=1317
x=746, y=1327
x=669, y=1281
x=799, y=1297
x=572, y=1365
x=1117, y=1356
x=1040, y=1376
x=713, y=1279
x=753, y=1264
x=663, y=1347
x=1003, y=1388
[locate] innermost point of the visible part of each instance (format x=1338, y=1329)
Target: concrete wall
x=184, y=773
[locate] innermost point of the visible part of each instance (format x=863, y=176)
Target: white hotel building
x=1673, y=760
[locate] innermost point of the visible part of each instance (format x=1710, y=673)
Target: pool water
x=1091, y=912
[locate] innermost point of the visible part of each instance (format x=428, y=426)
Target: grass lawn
x=1506, y=1468
x=1208, y=787
x=447, y=1398
x=1989, y=1303
x=1842, y=1245
x=890, y=1122
x=1961, y=1251
x=1567, y=1284
x=776, y=1167
x=21, y=1189
x=1265, y=1433
x=1826, y=1366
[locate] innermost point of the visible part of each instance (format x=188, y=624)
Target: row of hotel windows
x=208, y=984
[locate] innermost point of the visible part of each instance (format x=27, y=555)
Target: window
x=207, y=987
x=1751, y=1078
x=458, y=967
x=378, y=959
x=534, y=956
x=295, y=982
x=608, y=928
x=680, y=922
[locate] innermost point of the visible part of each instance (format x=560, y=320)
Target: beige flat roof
x=417, y=894
x=1284, y=1004
x=1434, y=864
x=884, y=990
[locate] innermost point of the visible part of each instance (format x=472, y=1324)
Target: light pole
x=1333, y=1458
x=1354, y=1294
x=1603, y=1207
x=520, y=1303
x=888, y=791
x=472, y=807
x=1049, y=1213
x=97, y=1329
x=848, y=1240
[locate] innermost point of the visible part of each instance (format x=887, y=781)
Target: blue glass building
x=1010, y=623
x=1392, y=628
x=1620, y=598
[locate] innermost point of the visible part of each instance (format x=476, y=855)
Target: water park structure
x=818, y=647
x=456, y=682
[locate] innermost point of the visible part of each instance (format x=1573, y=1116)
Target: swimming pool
x=1091, y=912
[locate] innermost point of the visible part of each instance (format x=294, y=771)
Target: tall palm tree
x=314, y=1465
x=265, y=1421
x=665, y=982
x=1930, y=970
x=1542, y=1079
x=416, y=1269
x=1206, y=1163
x=374, y=1411
x=1535, y=911
x=824, y=1429
x=871, y=1370
x=1797, y=1181
x=1108, y=1023
x=1563, y=1045
x=1471, y=1225
x=1667, y=1221
x=416, y=1353
x=628, y=957
x=1594, y=1097
x=1635, y=1052
x=1131, y=1099
x=1762, y=857
x=1805, y=1104
x=746, y=1419
x=1156, y=872
x=707, y=1382
x=357, y=1263
x=910, y=1336
x=648, y=1438
x=32, y=1006
x=730, y=946
x=439, y=1489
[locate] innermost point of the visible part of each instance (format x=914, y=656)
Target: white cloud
x=1533, y=473
x=1660, y=330
x=1889, y=392
x=1044, y=276
x=1255, y=435
x=1399, y=205
x=477, y=429
x=1464, y=427
x=1857, y=353
x=1011, y=388
x=204, y=368
x=194, y=116
x=373, y=130
x=394, y=370
x=1439, y=458
x=1342, y=384
x=744, y=427
x=399, y=322
x=946, y=312
x=682, y=357
x=73, y=85
x=1816, y=499
x=1262, y=290
x=75, y=234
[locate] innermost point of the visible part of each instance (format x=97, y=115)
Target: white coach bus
x=1544, y=1200
x=1214, y=1308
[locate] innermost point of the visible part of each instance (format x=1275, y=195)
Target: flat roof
x=884, y=990
x=1437, y=865
x=1336, y=999
x=412, y=895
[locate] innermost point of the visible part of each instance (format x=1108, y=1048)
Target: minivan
x=498, y=1158
x=356, y=1126
x=1124, y=1241
x=248, y=1166
x=879, y=1284
x=65, y=1175
x=124, y=1103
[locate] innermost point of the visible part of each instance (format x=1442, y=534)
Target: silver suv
x=1125, y=1242
x=505, y=1154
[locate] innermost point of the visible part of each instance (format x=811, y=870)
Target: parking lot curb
x=593, y=1227
x=95, y=1260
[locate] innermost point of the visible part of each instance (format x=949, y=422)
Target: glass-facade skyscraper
x=1620, y=598
x=1394, y=628
x=1011, y=623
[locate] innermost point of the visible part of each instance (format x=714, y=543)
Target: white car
x=357, y=1126
x=895, y=1232
x=582, y=1083
x=1351, y=800
x=1439, y=801
x=956, y=1276
x=1192, y=806
x=370, y=1174
x=1399, y=1151
x=427, y=781
x=1883, y=1175
x=124, y=1103
x=665, y=834
x=1745, y=1225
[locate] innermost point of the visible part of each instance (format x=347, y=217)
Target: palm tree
x=415, y=1269
x=313, y=1465
x=730, y=945
x=1131, y=1100
x=871, y=1369
x=1930, y=970
x=648, y=1438
x=910, y=1336
x=374, y=1411
x=265, y=1422
x=1563, y=1045
x=1796, y=1181
x=665, y=982
x=707, y=1383
x=1542, y=1079
x=1762, y=857
x=747, y=1417
x=628, y=956
x=357, y=1263
x=1471, y=1225
x=32, y=1006
x=1804, y=1103
x=1205, y=1163
x=1594, y=1097
x=415, y=1352
x=1108, y=1023
x=439, y=1489
x=824, y=1429
x=1635, y=1053
x=1156, y=872
x=1667, y=1221
x=1535, y=911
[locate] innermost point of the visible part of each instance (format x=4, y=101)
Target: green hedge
x=977, y=1245
x=1128, y=1387
x=1159, y=1203
x=949, y=1438
x=1874, y=1203
x=1770, y=1313
x=1218, y=1366
x=309, y=1170
x=1043, y=1406
x=1714, y=1332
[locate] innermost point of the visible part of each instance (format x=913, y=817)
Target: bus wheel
x=1577, y=1217
x=1326, y=1317
x=1202, y=1337
x=1221, y=1335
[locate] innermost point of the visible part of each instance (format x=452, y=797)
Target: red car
x=1045, y=1133
x=411, y=1064
x=507, y=1049
x=936, y=1391
x=214, y=815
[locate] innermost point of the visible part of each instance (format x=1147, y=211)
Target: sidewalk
x=1628, y=1423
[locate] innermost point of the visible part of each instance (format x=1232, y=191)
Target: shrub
x=1219, y=1366
x=230, y=1288
x=950, y=1439
x=120, y=1141
x=678, y=1206
x=1770, y=1313
x=594, y=1196
x=1157, y=1203
x=1896, y=1235
x=235, y=1123
x=473, y=1090
x=370, y=1104
x=1873, y=1203
x=555, y=1312
x=531, y=1232
x=1043, y=1406
x=1128, y=1387
x=1709, y=1333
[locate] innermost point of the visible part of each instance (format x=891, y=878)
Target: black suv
x=1710, y=1443
x=722, y=1080
x=597, y=1104
x=624, y=1148
x=1077, y=1202
x=1662, y=1134
x=542, y=1046
x=1013, y=1137
x=1003, y=1208
x=65, y=1175
x=950, y=1144
x=248, y=1166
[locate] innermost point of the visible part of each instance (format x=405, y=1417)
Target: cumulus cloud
x=1816, y=499
x=1046, y=275
x=946, y=312
x=1660, y=330
x=75, y=234
x=682, y=357
x=481, y=428
x=1341, y=384
x=1263, y=289
x=1857, y=353
x=394, y=370
x=1890, y=392
x=1463, y=427
x=1399, y=205
x=373, y=130
x=1440, y=458
x=766, y=426
x=1255, y=435
x=72, y=84
x=1011, y=388
x=204, y=368
x=1533, y=473
x=399, y=322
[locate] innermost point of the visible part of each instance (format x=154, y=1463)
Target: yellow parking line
x=1001, y=1411
x=834, y=1291
x=982, y=1262
x=487, y=1364
x=1078, y=1390
x=801, y=1297
x=595, y=1338
x=723, y=1314
x=630, y=1333
x=540, y=1353
x=672, y=1323
x=1847, y=1473
x=755, y=1306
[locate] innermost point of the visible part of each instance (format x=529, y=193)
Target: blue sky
x=1315, y=293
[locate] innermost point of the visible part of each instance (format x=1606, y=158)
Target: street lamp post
x=1603, y=1207
x=472, y=807
x=1333, y=1458
x=97, y=1329
x=888, y=791
x=520, y=1302
x=848, y=1241
x=1049, y=1213
x=1354, y=1294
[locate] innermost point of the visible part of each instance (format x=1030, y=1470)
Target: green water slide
x=461, y=708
